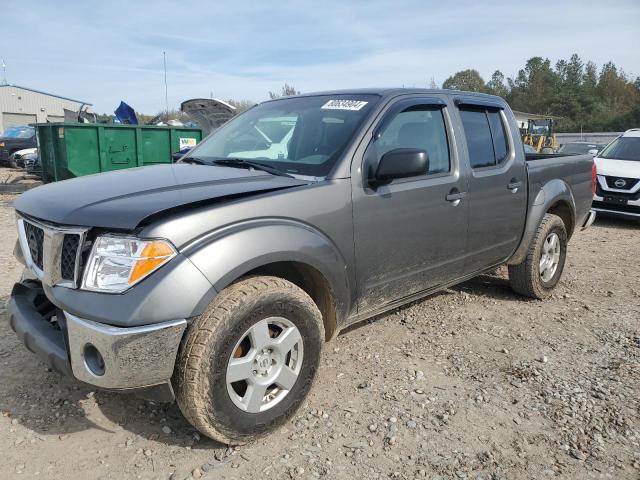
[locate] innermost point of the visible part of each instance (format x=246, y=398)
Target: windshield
x=623, y=148
x=578, y=148
x=18, y=132
x=300, y=135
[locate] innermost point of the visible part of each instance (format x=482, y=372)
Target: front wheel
x=539, y=273
x=249, y=360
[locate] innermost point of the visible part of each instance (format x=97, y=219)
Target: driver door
x=410, y=234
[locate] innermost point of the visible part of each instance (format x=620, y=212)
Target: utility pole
x=166, y=94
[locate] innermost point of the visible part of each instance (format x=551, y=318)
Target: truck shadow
x=51, y=405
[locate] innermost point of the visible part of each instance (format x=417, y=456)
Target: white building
x=22, y=106
x=523, y=118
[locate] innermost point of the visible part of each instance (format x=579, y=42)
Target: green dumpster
x=68, y=150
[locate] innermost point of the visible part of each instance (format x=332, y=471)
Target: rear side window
x=422, y=127
x=500, y=145
x=486, y=136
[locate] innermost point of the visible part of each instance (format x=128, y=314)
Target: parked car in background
x=14, y=139
x=528, y=149
x=581, y=148
x=16, y=159
x=618, y=165
x=222, y=276
x=32, y=164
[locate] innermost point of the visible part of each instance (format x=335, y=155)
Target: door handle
x=455, y=196
x=452, y=197
x=514, y=185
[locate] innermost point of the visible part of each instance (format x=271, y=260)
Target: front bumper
x=101, y=355
x=616, y=201
x=629, y=209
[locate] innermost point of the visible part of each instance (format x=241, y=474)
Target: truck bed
x=570, y=172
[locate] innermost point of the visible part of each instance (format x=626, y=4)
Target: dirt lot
x=472, y=383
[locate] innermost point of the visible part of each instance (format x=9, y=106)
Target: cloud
x=103, y=52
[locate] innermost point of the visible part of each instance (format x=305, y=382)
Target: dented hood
x=123, y=199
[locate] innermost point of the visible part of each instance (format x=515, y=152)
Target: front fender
x=227, y=254
x=548, y=195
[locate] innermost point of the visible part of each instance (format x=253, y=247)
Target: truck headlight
x=117, y=263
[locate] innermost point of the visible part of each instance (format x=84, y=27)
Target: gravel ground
x=17, y=175
x=473, y=383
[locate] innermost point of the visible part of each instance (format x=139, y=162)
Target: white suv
x=618, y=186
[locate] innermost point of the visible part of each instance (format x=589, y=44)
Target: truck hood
x=123, y=199
x=617, y=168
x=209, y=113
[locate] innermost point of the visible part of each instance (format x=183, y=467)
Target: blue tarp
x=126, y=114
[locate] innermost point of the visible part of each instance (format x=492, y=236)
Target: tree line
x=584, y=96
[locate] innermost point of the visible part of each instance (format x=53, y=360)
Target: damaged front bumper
x=138, y=358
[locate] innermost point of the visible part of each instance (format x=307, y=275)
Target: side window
x=486, y=136
x=478, y=134
x=419, y=126
x=500, y=144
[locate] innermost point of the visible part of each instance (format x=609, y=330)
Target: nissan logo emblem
x=621, y=182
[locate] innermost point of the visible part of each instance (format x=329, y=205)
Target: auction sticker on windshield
x=344, y=105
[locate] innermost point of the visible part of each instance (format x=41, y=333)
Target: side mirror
x=401, y=163
x=593, y=152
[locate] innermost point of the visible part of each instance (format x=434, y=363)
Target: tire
x=227, y=328
x=526, y=278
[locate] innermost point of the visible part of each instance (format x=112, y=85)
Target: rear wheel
x=539, y=273
x=249, y=361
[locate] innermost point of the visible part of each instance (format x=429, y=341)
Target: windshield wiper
x=241, y=162
x=196, y=160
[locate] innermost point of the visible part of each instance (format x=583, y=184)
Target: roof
x=390, y=92
x=44, y=93
x=632, y=132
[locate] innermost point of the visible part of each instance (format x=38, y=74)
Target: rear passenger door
x=497, y=190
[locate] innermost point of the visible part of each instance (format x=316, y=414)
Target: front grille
x=629, y=183
x=35, y=242
x=52, y=252
x=68, y=256
x=618, y=194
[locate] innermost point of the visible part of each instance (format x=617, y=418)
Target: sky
x=102, y=52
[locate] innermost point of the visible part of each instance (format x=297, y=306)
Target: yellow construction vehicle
x=540, y=135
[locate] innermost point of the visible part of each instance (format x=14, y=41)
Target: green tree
x=496, y=85
x=569, y=101
x=468, y=80
x=535, y=87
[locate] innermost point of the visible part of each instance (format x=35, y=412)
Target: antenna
x=4, y=73
x=166, y=94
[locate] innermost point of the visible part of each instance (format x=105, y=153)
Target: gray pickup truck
x=220, y=277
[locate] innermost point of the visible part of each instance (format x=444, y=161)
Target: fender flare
x=229, y=253
x=552, y=193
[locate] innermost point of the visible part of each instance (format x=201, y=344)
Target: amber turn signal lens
x=153, y=255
